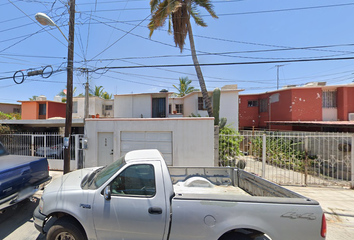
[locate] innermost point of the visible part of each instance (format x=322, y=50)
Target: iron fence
x=49, y=145
x=291, y=158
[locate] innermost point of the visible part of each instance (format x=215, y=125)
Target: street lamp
x=45, y=20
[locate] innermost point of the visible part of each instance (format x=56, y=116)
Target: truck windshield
x=108, y=172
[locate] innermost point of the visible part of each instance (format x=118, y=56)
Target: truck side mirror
x=107, y=193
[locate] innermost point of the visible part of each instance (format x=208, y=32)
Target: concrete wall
x=95, y=106
x=229, y=107
x=132, y=106
x=192, y=138
x=9, y=108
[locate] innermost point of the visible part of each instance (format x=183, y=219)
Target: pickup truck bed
x=20, y=177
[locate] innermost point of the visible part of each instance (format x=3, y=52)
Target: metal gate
x=49, y=145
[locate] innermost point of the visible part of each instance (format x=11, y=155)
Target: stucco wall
x=229, y=107
x=56, y=109
x=132, y=106
x=29, y=110
x=192, y=138
x=9, y=108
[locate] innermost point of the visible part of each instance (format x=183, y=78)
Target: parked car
x=138, y=197
x=55, y=151
x=20, y=177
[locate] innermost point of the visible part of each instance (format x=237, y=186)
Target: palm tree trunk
x=199, y=72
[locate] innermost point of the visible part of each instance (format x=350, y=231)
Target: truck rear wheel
x=235, y=236
x=65, y=229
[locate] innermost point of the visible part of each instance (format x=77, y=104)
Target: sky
x=260, y=45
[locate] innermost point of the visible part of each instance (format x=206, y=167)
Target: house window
x=263, y=105
x=108, y=107
x=179, y=108
x=42, y=109
x=17, y=110
x=74, y=107
x=329, y=99
x=169, y=108
x=253, y=103
x=201, y=103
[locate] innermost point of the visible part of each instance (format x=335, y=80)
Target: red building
x=313, y=107
x=42, y=109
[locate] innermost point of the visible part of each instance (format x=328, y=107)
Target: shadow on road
x=14, y=217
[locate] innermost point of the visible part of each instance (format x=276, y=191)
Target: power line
x=229, y=63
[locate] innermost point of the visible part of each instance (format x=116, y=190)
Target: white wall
x=229, y=107
x=95, y=106
x=192, y=138
x=329, y=114
x=132, y=106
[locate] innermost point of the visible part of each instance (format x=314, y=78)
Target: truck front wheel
x=65, y=229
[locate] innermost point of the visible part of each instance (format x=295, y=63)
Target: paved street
x=17, y=224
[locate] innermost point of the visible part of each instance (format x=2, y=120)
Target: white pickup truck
x=138, y=197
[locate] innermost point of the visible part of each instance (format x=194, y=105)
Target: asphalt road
x=17, y=223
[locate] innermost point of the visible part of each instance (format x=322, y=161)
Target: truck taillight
x=324, y=226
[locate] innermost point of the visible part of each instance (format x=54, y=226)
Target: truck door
x=137, y=208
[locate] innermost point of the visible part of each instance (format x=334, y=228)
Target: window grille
x=329, y=99
x=263, y=105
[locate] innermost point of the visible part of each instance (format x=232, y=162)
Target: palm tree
x=105, y=95
x=33, y=98
x=184, y=88
x=179, y=13
x=98, y=91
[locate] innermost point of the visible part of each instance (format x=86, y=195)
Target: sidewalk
x=338, y=205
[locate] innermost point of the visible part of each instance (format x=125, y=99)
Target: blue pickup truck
x=20, y=177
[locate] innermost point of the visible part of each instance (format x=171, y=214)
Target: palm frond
x=197, y=18
x=207, y=5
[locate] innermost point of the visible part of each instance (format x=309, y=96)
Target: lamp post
x=45, y=20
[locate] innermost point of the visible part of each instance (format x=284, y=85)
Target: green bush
x=229, y=145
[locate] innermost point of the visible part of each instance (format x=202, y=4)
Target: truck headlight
x=40, y=205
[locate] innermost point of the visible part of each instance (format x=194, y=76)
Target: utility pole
x=69, y=99
x=278, y=66
x=87, y=95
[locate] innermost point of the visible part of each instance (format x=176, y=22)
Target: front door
x=137, y=208
x=105, y=148
x=159, y=107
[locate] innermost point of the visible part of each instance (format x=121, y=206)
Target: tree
x=179, y=12
x=33, y=98
x=105, y=95
x=63, y=94
x=184, y=88
x=98, y=91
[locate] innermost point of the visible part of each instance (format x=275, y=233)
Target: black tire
x=66, y=228
x=235, y=236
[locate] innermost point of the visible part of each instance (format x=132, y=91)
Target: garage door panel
x=133, y=136
x=168, y=159
x=129, y=146
x=161, y=141
x=158, y=136
x=161, y=146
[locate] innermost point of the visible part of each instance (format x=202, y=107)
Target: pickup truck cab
x=138, y=197
x=20, y=177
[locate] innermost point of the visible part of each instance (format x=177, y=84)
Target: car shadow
x=15, y=216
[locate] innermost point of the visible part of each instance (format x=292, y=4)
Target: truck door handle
x=155, y=210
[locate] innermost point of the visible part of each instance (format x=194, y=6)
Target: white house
x=193, y=104
x=141, y=105
x=160, y=105
x=182, y=141
x=97, y=105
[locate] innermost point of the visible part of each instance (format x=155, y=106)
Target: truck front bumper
x=39, y=220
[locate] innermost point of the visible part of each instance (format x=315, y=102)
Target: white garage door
x=161, y=141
